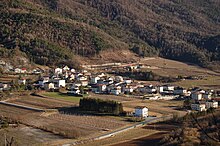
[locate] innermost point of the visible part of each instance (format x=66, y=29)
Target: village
x=79, y=83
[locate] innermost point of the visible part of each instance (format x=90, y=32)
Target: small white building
x=73, y=70
x=81, y=78
x=100, y=88
x=58, y=71
x=168, y=87
x=84, y=83
x=71, y=77
x=74, y=92
x=141, y=111
x=4, y=86
x=198, y=106
x=59, y=83
x=128, y=81
x=43, y=80
x=160, y=89
x=151, y=89
x=49, y=86
x=207, y=96
x=94, y=80
x=66, y=68
x=196, y=96
x=22, y=81
x=211, y=104
x=116, y=90
x=17, y=70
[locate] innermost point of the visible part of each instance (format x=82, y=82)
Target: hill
x=69, y=31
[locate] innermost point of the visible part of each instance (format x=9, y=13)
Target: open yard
x=156, y=107
x=61, y=96
x=40, y=102
x=71, y=126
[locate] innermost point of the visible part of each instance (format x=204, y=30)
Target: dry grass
x=157, y=108
x=72, y=126
x=210, y=82
x=24, y=135
x=166, y=67
x=38, y=102
x=122, y=137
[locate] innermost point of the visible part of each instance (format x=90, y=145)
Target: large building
x=211, y=104
x=141, y=111
x=198, y=106
x=196, y=96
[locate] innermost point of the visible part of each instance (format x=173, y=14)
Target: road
x=110, y=134
x=22, y=106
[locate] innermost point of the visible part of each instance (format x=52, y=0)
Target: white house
x=211, y=104
x=23, y=70
x=100, y=88
x=4, y=86
x=128, y=89
x=128, y=81
x=49, y=86
x=160, y=89
x=58, y=71
x=141, y=111
x=17, y=70
x=94, y=80
x=76, y=85
x=22, y=81
x=59, y=83
x=151, y=89
x=168, y=87
x=73, y=92
x=207, y=95
x=84, y=83
x=81, y=78
x=71, y=77
x=198, y=106
x=66, y=68
x=43, y=80
x=196, y=96
x=73, y=70
x=116, y=90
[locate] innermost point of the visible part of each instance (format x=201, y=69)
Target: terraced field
x=39, y=102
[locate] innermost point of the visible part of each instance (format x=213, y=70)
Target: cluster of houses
x=202, y=100
x=100, y=83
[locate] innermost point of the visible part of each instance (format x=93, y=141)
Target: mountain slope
x=50, y=32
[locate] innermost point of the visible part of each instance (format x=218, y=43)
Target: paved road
x=147, y=121
x=22, y=106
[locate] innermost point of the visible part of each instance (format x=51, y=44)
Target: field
x=13, y=77
x=158, y=108
x=122, y=137
x=24, y=135
x=60, y=96
x=66, y=125
x=171, y=68
x=39, y=102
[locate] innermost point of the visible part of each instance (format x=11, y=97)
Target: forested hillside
x=56, y=31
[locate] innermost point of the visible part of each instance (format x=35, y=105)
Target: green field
x=210, y=82
x=57, y=95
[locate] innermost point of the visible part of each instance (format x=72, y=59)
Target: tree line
x=101, y=106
